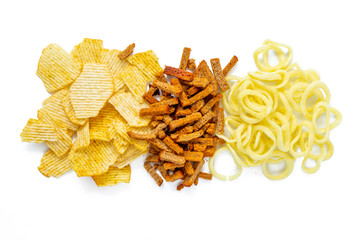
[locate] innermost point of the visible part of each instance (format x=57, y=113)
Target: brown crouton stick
x=190, y=147
x=178, y=174
x=211, y=78
x=183, y=121
x=185, y=58
x=199, y=147
x=206, y=176
x=164, y=173
x=196, y=181
x=185, y=130
x=202, y=121
x=188, y=137
x=183, y=112
x=153, y=158
x=141, y=136
x=150, y=169
x=179, y=73
x=211, y=129
x=160, y=144
x=169, y=102
x=180, y=187
x=182, y=97
x=153, y=150
x=159, y=128
x=207, y=141
x=204, y=93
x=191, y=64
x=171, y=157
x=173, y=145
x=189, y=179
x=211, y=103
x=218, y=141
x=165, y=87
x=219, y=76
x=200, y=82
x=124, y=54
x=191, y=91
x=167, y=119
x=148, y=96
x=171, y=166
x=157, y=118
x=230, y=65
x=193, y=156
x=154, y=111
x=161, y=134
x=220, y=123
x=161, y=77
x=154, y=124
x=189, y=168
x=198, y=105
x=209, y=152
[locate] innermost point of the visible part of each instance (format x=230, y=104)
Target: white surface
x=324, y=36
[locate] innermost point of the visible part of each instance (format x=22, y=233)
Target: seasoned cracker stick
x=219, y=76
x=196, y=181
x=154, y=111
x=150, y=169
x=159, y=128
x=153, y=158
x=189, y=179
x=154, y=124
x=173, y=145
x=188, y=137
x=193, y=156
x=199, y=147
x=167, y=119
x=183, y=112
x=209, y=152
x=185, y=58
x=189, y=168
x=171, y=157
x=202, y=121
x=165, y=87
x=191, y=91
x=169, y=102
x=191, y=64
x=171, y=166
x=153, y=150
x=148, y=96
x=200, y=82
x=198, y=105
x=183, y=121
x=204, y=93
x=211, y=78
x=176, y=175
x=179, y=73
x=207, y=141
x=182, y=97
x=218, y=141
x=164, y=173
x=185, y=130
x=206, y=176
x=211, y=128
x=160, y=144
x=161, y=134
x=141, y=136
x=230, y=65
x=211, y=103
x=157, y=118
x=180, y=187
x=124, y=54
x=220, y=123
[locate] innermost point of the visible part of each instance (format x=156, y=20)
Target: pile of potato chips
x=98, y=96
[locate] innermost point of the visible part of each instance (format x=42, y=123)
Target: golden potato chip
x=91, y=90
x=37, y=131
x=94, y=159
x=70, y=112
x=52, y=165
x=112, y=60
x=135, y=81
x=113, y=176
x=130, y=155
x=100, y=126
x=63, y=145
x=120, y=143
x=129, y=108
x=140, y=144
x=83, y=137
x=119, y=84
x=88, y=51
x=53, y=106
x=147, y=62
x=56, y=68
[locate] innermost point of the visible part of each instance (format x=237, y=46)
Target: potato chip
x=147, y=62
x=129, y=108
x=83, y=137
x=130, y=155
x=101, y=124
x=54, y=107
x=112, y=60
x=63, y=145
x=91, y=90
x=37, y=131
x=140, y=144
x=119, y=84
x=94, y=159
x=120, y=143
x=56, y=68
x=113, y=176
x=135, y=81
x=52, y=165
x=88, y=51
x=70, y=112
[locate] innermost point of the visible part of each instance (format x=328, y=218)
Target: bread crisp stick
x=185, y=58
x=171, y=157
x=230, y=65
x=219, y=76
x=124, y=54
x=179, y=73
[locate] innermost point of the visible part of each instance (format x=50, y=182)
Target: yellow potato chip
x=113, y=176
x=147, y=62
x=37, y=131
x=54, y=107
x=135, y=81
x=120, y=143
x=129, y=108
x=63, y=145
x=94, y=159
x=119, y=84
x=70, y=112
x=83, y=137
x=91, y=90
x=52, y=165
x=130, y=155
x=88, y=51
x=100, y=126
x=112, y=60
x=56, y=68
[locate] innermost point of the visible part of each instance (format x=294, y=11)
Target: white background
x=324, y=36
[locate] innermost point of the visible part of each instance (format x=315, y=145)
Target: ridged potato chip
x=147, y=62
x=120, y=143
x=91, y=90
x=135, y=81
x=129, y=108
x=56, y=68
x=37, y=131
x=95, y=159
x=70, y=112
x=112, y=60
x=83, y=137
x=130, y=155
x=63, y=145
x=113, y=176
x=88, y=51
x=52, y=165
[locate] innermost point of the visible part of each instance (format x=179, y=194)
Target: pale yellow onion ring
x=295, y=139
x=319, y=109
x=309, y=92
x=282, y=157
x=279, y=78
x=310, y=170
